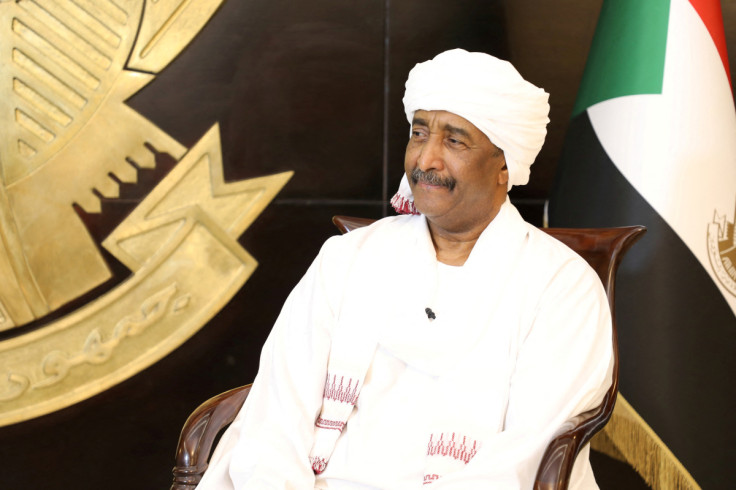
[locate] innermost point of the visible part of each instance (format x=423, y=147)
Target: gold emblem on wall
x=67, y=137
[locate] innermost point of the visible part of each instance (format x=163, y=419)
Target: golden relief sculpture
x=66, y=69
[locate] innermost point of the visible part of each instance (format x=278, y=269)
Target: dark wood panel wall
x=313, y=87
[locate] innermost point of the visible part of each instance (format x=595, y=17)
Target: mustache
x=431, y=178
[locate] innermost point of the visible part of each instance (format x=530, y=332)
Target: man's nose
x=430, y=156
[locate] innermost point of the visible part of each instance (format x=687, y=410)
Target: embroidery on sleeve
x=318, y=465
x=339, y=398
x=429, y=479
x=455, y=446
x=329, y=424
x=448, y=452
x=341, y=393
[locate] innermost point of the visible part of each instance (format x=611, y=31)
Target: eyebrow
x=448, y=127
x=456, y=131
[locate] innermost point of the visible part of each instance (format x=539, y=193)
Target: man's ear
x=503, y=176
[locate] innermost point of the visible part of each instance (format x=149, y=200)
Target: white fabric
x=521, y=342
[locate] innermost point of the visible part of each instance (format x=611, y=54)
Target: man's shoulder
x=557, y=277
x=366, y=250
x=389, y=224
x=546, y=246
x=383, y=230
x=548, y=253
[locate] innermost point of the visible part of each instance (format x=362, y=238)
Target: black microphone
x=430, y=313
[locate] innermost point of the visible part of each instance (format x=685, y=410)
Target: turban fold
x=490, y=94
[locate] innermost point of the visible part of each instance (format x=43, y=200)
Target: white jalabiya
x=521, y=342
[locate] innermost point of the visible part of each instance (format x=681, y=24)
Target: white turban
x=490, y=94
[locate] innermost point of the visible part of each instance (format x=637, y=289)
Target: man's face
x=456, y=174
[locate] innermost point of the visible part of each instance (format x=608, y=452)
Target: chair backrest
x=602, y=248
x=199, y=433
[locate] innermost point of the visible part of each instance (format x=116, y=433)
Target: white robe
x=521, y=342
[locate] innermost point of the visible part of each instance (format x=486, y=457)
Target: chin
x=430, y=211
x=431, y=205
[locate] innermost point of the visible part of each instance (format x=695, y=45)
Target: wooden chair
x=602, y=248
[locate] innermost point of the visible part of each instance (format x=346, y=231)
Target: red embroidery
x=429, y=479
x=402, y=205
x=318, y=465
x=344, y=391
x=329, y=424
x=343, y=394
x=453, y=448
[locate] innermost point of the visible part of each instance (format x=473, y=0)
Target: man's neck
x=453, y=246
x=452, y=250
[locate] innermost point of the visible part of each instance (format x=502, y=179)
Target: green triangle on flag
x=627, y=53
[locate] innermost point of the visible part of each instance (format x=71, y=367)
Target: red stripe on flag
x=711, y=15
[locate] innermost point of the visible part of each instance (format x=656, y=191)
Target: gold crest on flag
x=722, y=250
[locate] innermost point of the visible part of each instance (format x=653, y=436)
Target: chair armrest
x=199, y=433
x=557, y=462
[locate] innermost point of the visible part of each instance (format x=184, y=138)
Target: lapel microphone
x=430, y=313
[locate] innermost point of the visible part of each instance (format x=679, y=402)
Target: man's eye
x=455, y=142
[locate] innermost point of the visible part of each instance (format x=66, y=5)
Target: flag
x=652, y=141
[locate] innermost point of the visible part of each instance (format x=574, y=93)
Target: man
x=443, y=347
